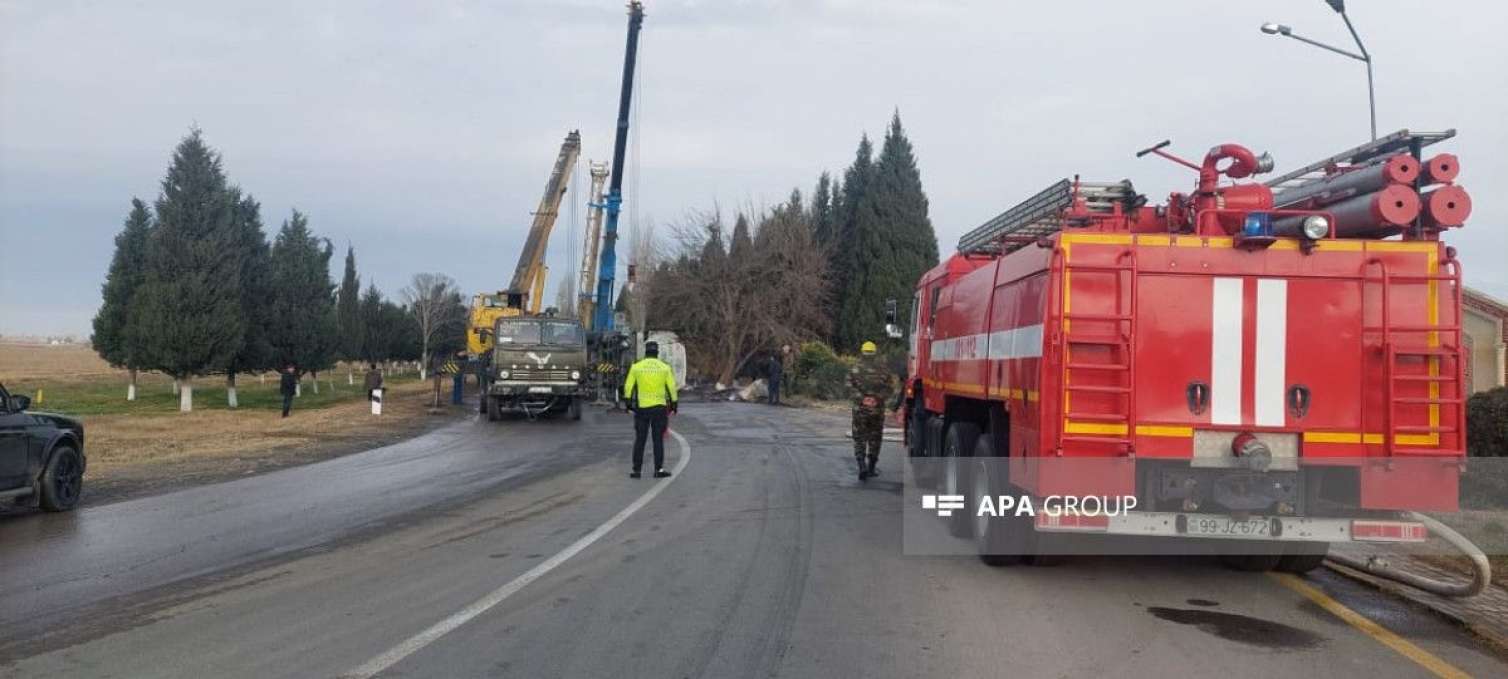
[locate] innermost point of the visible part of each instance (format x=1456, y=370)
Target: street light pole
x=1365, y=57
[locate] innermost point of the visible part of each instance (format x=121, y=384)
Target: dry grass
x=20, y=362
x=142, y=446
x=123, y=440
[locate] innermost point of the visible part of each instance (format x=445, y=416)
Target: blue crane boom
x=608, y=264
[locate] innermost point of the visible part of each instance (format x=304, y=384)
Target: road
x=522, y=549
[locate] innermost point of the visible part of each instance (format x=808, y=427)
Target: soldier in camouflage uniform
x=870, y=382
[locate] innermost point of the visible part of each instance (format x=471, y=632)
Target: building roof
x=1485, y=302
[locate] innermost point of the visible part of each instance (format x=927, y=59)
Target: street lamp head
x=1276, y=29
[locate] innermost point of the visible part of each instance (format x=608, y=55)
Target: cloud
x=422, y=132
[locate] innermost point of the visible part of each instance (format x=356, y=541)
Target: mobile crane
x=525, y=292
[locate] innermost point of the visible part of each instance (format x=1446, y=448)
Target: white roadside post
x=377, y=401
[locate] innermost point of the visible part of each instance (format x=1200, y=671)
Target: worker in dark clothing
x=373, y=381
x=458, y=379
x=288, y=385
x=651, y=394
x=777, y=370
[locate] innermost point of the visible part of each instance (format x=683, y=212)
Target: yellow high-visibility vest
x=655, y=382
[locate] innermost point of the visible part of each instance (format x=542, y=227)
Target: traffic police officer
x=650, y=392
x=871, y=386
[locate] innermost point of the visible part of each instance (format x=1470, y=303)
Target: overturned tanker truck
x=1274, y=365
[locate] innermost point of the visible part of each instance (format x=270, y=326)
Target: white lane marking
x=1225, y=351
x=1272, y=351
x=418, y=641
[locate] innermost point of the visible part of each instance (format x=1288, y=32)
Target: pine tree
x=112, y=338
x=893, y=239
x=348, y=310
x=303, y=325
x=187, y=313
x=250, y=245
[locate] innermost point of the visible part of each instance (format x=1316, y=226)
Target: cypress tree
x=893, y=238
x=742, y=241
x=844, y=253
x=822, y=209
x=302, y=328
x=348, y=310
x=250, y=245
x=112, y=338
x=374, y=339
x=187, y=313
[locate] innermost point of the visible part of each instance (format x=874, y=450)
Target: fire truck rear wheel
x=1000, y=541
x=1256, y=558
x=1303, y=557
x=958, y=445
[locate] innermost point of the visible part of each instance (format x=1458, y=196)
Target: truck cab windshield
x=562, y=333
x=518, y=332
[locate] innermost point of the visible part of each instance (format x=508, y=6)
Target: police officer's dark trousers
x=646, y=421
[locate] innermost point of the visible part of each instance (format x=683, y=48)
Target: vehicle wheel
x=958, y=445
x=1254, y=560
x=1000, y=540
x=63, y=481
x=1303, y=557
x=575, y=409
x=494, y=409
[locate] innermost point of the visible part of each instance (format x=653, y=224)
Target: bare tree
x=728, y=309
x=431, y=299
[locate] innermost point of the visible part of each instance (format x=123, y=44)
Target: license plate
x=539, y=390
x=1226, y=527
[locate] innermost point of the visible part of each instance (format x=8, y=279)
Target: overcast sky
x=421, y=132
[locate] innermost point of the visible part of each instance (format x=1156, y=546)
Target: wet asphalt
x=765, y=557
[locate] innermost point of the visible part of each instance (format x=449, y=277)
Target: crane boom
x=528, y=276
x=609, y=260
x=588, y=283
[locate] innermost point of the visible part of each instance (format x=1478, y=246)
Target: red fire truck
x=1277, y=362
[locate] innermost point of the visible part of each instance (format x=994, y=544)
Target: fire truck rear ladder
x=1442, y=379
x=1120, y=341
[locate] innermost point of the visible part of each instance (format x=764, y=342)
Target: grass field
x=148, y=443
x=71, y=379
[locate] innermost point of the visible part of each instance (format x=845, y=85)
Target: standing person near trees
x=870, y=383
x=372, y=381
x=651, y=394
x=288, y=386
x=776, y=373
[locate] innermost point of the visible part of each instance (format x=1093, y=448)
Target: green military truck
x=538, y=367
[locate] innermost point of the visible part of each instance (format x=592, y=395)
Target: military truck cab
x=538, y=367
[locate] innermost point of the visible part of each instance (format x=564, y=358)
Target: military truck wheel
x=575, y=409
x=958, y=445
x=494, y=409
x=63, y=481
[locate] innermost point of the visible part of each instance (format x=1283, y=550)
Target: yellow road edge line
x=1380, y=634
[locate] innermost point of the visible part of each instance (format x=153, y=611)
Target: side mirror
x=892, y=330
x=20, y=402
